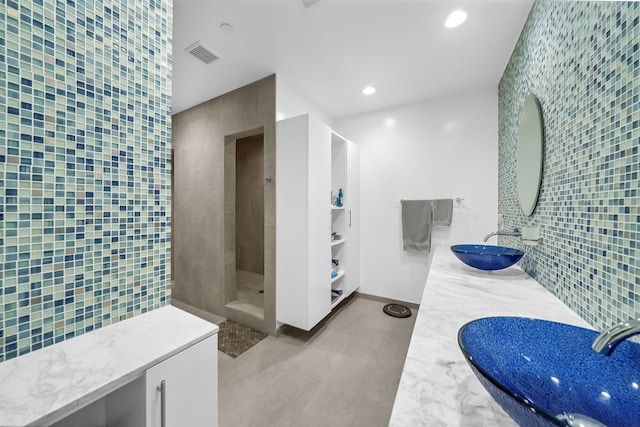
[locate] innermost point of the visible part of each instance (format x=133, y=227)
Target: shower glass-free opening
x=245, y=157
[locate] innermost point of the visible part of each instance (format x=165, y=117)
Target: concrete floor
x=344, y=373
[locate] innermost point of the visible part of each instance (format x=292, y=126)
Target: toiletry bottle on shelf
x=339, y=199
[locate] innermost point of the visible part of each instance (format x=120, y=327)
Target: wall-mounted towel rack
x=458, y=200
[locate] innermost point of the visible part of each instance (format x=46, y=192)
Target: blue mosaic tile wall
x=582, y=60
x=85, y=174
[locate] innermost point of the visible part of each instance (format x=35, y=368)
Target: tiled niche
x=85, y=166
x=582, y=60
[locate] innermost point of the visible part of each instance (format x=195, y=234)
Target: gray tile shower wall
x=582, y=60
x=85, y=166
x=204, y=140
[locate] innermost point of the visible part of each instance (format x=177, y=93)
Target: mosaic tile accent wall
x=85, y=166
x=582, y=60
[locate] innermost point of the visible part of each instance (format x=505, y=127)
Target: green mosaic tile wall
x=582, y=60
x=85, y=153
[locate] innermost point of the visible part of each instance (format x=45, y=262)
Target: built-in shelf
x=334, y=297
x=336, y=301
x=337, y=242
x=337, y=208
x=338, y=277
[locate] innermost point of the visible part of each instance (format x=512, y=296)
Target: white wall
x=444, y=148
x=290, y=104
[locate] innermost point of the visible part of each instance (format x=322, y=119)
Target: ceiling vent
x=202, y=52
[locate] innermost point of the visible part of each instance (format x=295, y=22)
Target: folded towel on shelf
x=417, y=220
x=442, y=211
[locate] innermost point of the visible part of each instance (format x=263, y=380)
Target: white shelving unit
x=345, y=175
x=312, y=162
x=338, y=277
x=352, y=218
x=338, y=213
x=336, y=301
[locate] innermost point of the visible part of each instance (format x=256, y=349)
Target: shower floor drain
x=396, y=310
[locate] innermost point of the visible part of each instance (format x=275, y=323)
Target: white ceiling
x=329, y=52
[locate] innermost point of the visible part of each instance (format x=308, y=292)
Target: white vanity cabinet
x=179, y=391
x=182, y=390
x=312, y=165
x=111, y=376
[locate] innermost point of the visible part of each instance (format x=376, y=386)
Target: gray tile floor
x=344, y=373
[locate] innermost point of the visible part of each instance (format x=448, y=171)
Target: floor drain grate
x=397, y=310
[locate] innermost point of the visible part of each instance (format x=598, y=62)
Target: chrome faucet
x=516, y=233
x=607, y=341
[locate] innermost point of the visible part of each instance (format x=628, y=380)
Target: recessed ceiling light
x=369, y=90
x=455, y=18
x=226, y=27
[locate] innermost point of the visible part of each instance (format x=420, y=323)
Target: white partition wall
x=303, y=160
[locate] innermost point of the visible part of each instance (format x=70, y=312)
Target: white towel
x=417, y=220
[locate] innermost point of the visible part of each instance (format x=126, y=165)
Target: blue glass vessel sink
x=545, y=373
x=487, y=257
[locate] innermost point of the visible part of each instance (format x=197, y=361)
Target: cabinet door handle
x=349, y=217
x=163, y=403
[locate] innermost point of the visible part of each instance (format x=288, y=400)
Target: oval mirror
x=530, y=154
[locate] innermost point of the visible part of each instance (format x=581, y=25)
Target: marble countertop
x=46, y=385
x=437, y=388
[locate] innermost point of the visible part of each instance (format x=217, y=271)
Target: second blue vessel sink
x=545, y=373
x=487, y=257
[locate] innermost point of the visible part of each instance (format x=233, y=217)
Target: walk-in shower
x=245, y=223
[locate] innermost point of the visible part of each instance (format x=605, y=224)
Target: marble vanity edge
x=60, y=413
x=437, y=388
x=44, y=386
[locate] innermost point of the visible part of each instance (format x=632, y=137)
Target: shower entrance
x=244, y=231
